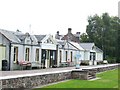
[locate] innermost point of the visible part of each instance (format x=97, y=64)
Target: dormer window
x=48, y=41
x=28, y=41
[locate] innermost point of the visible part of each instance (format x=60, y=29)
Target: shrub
x=99, y=62
x=84, y=63
x=111, y=60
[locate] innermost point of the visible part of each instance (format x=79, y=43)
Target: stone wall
x=34, y=81
x=42, y=79
x=79, y=74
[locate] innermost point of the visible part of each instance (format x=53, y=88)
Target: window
x=66, y=55
x=15, y=58
x=71, y=56
x=37, y=55
x=27, y=54
x=60, y=56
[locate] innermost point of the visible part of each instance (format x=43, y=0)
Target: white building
x=92, y=53
x=68, y=52
x=44, y=51
x=16, y=48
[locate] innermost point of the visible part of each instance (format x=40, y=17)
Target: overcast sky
x=50, y=16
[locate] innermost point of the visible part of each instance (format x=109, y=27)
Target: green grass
x=107, y=79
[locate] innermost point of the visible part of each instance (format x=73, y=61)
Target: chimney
x=57, y=32
x=27, y=34
x=78, y=33
x=69, y=30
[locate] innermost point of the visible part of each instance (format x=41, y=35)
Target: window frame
x=15, y=54
x=37, y=55
x=27, y=53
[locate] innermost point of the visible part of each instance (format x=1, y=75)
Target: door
x=2, y=55
x=43, y=57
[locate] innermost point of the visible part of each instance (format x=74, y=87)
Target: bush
x=111, y=60
x=84, y=63
x=99, y=62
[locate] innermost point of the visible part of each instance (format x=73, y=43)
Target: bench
x=64, y=64
x=35, y=65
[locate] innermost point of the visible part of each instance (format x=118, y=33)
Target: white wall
x=2, y=55
x=63, y=52
x=86, y=55
x=48, y=46
x=5, y=42
x=33, y=53
x=82, y=55
x=20, y=54
x=99, y=56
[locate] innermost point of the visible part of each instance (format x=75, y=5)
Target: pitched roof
x=76, y=45
x=21, y=37
x=91, y=47
x=87, y=46
x=10, y=36
x=98, y=49
x=40, y=37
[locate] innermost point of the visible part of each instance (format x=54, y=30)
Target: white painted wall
x=82, y=55
x=20, y=54
x=48, y=46
x=99, y=56
x=68, y=55
x=4, y=41
x=27, y=40
x=2, y=55
x=86, y=55
x=33, y=53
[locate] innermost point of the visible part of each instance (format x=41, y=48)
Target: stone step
x=90, y=77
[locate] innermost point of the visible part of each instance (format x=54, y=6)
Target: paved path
x=24, y=72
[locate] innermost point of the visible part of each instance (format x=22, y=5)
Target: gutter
x=9, y=56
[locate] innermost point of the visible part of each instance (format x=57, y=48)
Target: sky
x=50, y=16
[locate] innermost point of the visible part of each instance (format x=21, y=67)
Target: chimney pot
x=69, y=30
x=57, y=32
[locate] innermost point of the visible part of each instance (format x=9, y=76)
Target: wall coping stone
x=62, y=71
x=34, y=74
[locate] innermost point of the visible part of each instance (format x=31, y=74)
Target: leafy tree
x=104, y=31
x=84, y=37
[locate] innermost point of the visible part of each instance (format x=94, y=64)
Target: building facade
x=45, y=51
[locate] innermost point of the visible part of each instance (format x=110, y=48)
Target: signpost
x=78, y=55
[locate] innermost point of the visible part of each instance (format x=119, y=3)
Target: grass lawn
x=107, y=79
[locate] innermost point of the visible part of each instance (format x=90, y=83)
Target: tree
x=84, y=37
x=103, y=31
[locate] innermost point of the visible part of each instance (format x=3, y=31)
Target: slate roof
x=10, y=36
x=76, y=45
x=90, y=46
x=87, y=46
x=40, y=37
x=98, y=49
x=21, y=37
